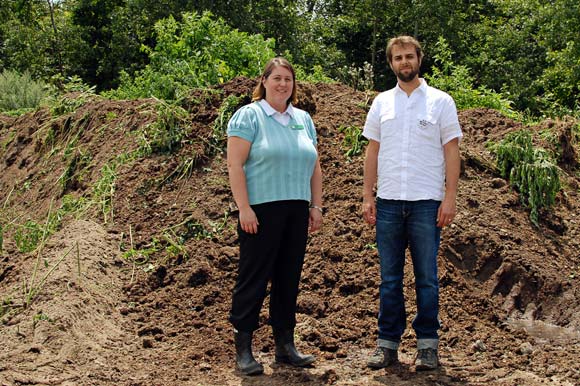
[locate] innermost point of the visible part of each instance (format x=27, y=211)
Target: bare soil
x=139, y=294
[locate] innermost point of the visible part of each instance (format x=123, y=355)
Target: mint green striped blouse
x=281, y=159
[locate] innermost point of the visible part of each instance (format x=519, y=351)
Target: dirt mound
x=142, y=251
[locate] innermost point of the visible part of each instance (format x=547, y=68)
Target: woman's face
x=279, y=85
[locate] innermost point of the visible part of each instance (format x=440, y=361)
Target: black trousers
x=275, y=254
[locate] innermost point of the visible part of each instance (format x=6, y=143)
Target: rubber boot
x=286, y=350
x=244, y=358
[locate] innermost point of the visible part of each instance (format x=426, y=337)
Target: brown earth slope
x=133, y=287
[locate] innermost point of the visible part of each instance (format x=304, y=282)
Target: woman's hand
x=315, y=219
x=248, y=220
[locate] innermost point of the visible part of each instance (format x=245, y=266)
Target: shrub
x=315, y=75
x=196, y=52
x=20, y=91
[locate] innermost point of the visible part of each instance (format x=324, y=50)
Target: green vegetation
x=457, y=81
x=19, y=92
x=28, y=235
x=218, y=139
x=317, y=75
x=76, y=166
x=5, y=306
x=353, y=142
x=198, y=51
x=525, y=52
x=166, y=133
x=359, y=78
x=170, y=242
x=104, y=191
x=520, y=58
x=530, y=170
x=35, y=287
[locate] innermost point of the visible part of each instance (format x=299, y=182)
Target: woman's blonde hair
x=260, y=91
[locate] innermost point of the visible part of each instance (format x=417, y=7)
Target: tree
x=38, y=38
x=505, y=54
x=94, y=17
x=559, y=31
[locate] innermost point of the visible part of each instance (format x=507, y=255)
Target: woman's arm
x=237, y=153
x=315, y=221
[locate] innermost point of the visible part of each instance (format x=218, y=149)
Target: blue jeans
x=413, y=224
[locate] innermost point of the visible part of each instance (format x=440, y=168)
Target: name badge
x=297, y=127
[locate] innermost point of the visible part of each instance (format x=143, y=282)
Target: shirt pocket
x=387, y=122
x=426, y=131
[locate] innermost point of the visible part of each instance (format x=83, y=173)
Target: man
x=413, y=157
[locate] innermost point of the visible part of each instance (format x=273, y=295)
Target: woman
x=276, y=181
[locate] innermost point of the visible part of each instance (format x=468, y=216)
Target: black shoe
x=427, y=359
x=286, y=351
x=244, y=357
x=382, y=357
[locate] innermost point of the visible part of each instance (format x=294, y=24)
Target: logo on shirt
x=423, y=123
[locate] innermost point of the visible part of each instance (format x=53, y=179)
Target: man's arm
x=448, y=209
x=369, y=181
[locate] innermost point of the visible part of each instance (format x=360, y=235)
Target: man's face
x=405, y=63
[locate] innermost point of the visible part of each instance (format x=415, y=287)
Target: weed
x=225, y=112
x=68, y=103
x=110, y=115
x=530, y=170
x=76, y=94
x=353, y=141
x=104, y=191
x=171, y=242
x=218, y=227
x=315, y=75
x=40, y=317
x=193, y=229
x=27, y=236
x=184, y=169
x=139, y=257
x=175, y=246
x=166, y=133
x=9, y=138
x=71, y=175
x=32, y=291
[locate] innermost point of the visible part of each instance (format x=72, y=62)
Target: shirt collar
x=422, y=87
x=269, y=110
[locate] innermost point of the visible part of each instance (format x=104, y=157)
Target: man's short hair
x=403, y=41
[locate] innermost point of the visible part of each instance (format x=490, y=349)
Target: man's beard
x=409, y=77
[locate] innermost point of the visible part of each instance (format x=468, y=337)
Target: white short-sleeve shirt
x=411, y=131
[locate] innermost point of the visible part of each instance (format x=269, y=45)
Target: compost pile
x=132, y=285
